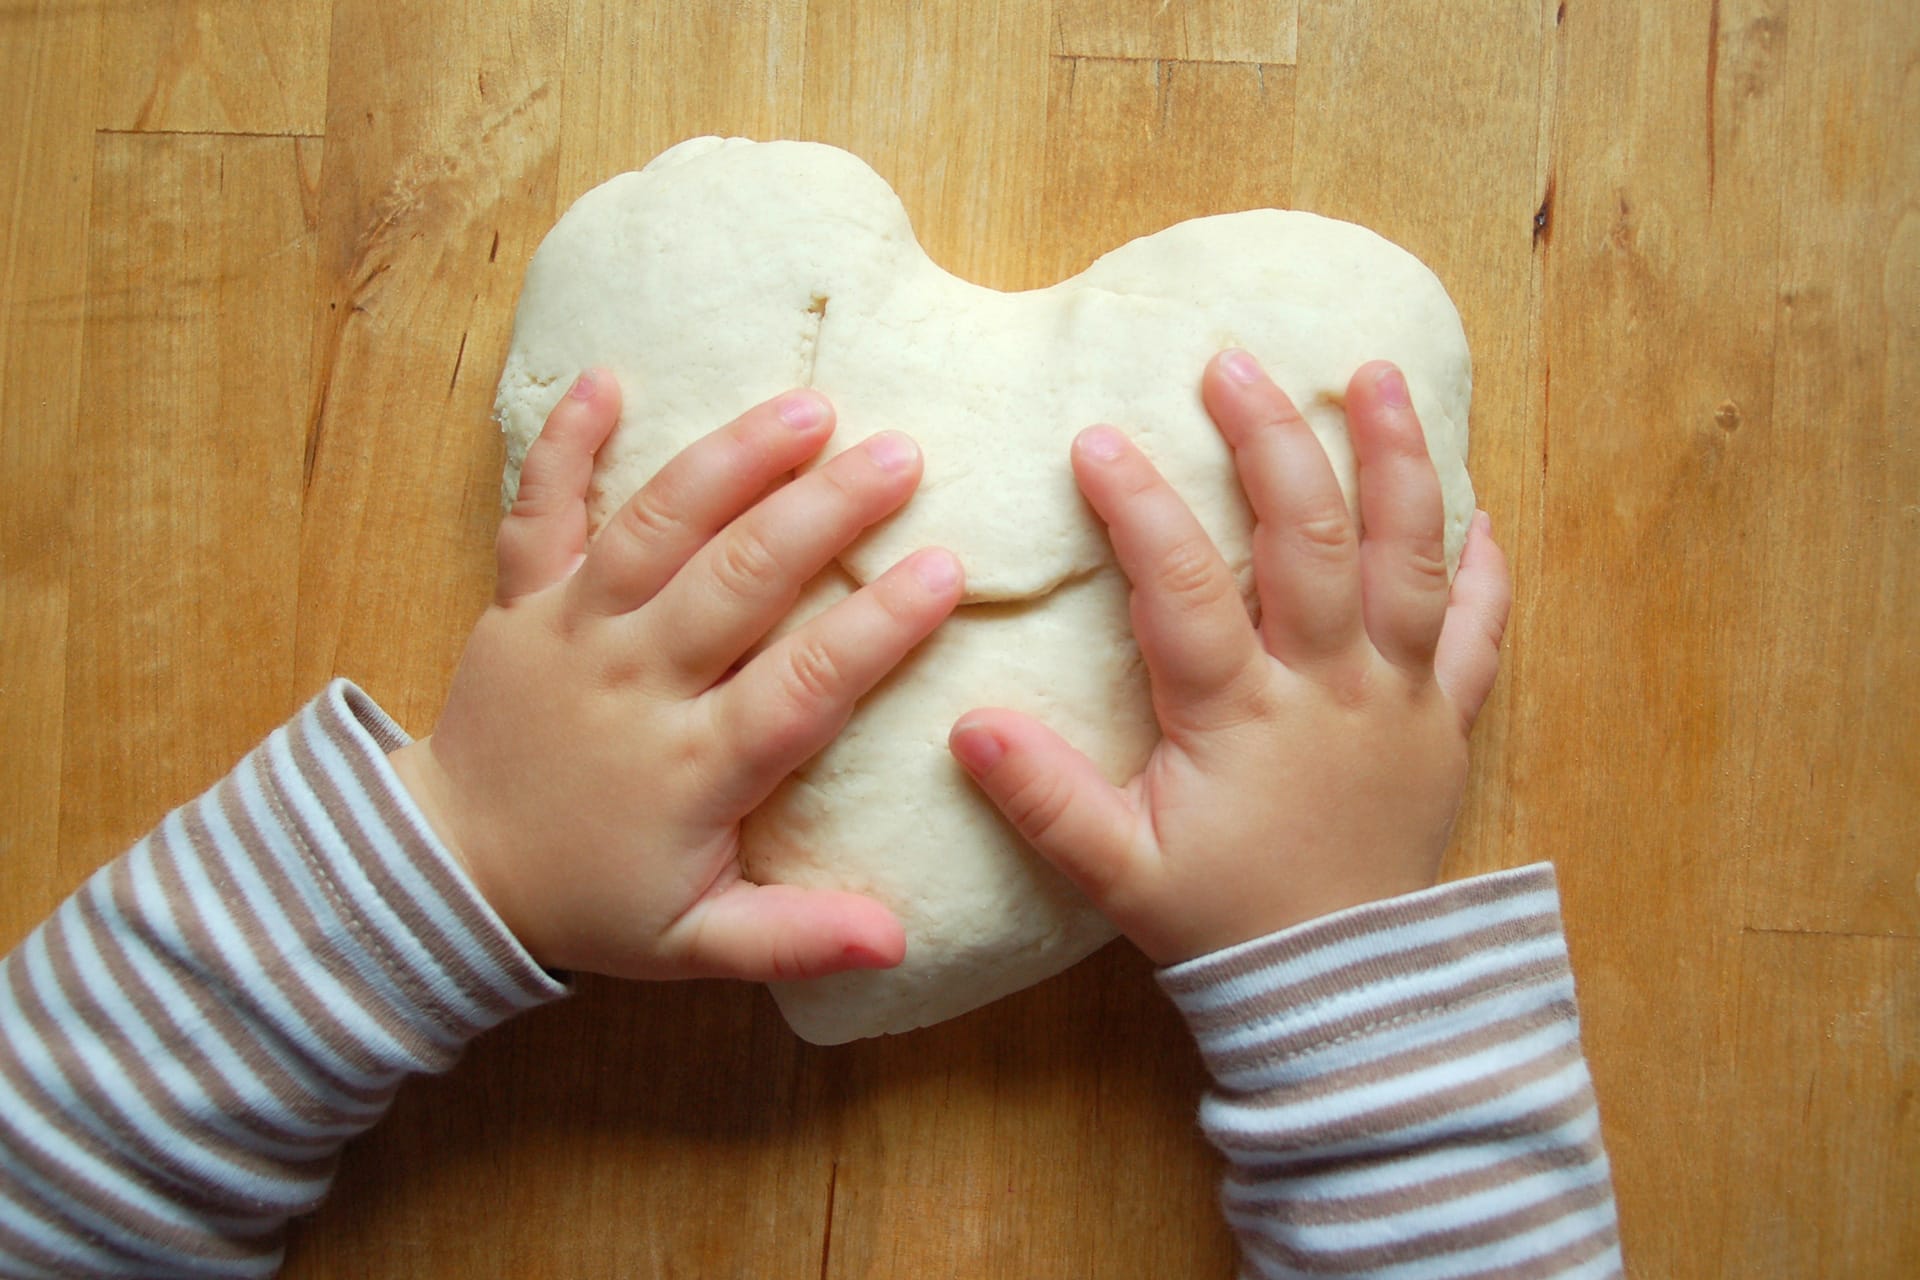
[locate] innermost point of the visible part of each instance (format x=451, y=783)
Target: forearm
x=191, y=1038
x=1402, y=1087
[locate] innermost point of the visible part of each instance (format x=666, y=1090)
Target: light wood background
x=258, y=260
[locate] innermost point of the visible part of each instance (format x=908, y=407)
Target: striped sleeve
x=186, y=1044
x=1400, y=1090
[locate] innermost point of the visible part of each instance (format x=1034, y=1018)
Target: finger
x=1468, y=657
x=745, y=579
x=1305, y=554
x=781, y=933
x=791, y=700
x=1188, y=617
x=1055, y=797
x=542, y=537
x=1403, y=562
x=694, y=496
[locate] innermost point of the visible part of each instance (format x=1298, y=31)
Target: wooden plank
x=215, y=66
x=1828, y=1066
x=186, y=469
x=1627, y=736
x=737, y=72
x=1194, y=30
x=1828, y=765
x=46, y=179
x=1135, y=146
x=948, y=103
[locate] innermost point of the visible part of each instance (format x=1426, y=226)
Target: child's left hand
x=596, y=756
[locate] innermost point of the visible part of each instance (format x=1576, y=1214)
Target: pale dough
x=727, y=271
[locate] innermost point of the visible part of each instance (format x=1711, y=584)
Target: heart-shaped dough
x=727, y=271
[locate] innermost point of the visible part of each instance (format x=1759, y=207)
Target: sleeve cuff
x=446, y=953
x=1265, y=1011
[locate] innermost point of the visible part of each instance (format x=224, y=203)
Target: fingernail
x=1103, y=443
x=858, y=955
x=892, y=451
x=1393, y=389
x=1485, y=522
x=976, y=746
x=1241, y=367
x=584, y=386
x=801, y=410
x=937, y=570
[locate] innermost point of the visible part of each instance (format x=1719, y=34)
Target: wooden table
x=258, y=261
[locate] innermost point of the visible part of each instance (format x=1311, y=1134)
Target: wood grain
x=1133, y=145
x=186, y=513
x=949, y=104
x=244, y=445
x=1825, y=1026
x=426, y=218
x=1832, y=757
x=1189, y=30
x=640, y=78
x=46, y=184
x=1656, y=311
x=215, y=66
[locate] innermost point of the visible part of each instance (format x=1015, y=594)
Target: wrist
x=427, y=784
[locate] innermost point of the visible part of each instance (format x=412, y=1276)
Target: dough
x=727, y=271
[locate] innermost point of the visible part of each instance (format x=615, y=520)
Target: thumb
x=1053, y=795
x=546, y=531
x=1468, y=657
x=781, y=932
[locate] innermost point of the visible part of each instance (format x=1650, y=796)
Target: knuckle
x=1249, y=697
x=530, y=497
x=1037, y=804
x=1279, y=416
x=647, y=518
x=745, y=564
x=814, y=674
x=846, y=476
x=1323, y=529
x=896, y=602
x=1190, y=571
x=1425, y=560
x=787, y=961
x=1137, y=478
x=847, y=486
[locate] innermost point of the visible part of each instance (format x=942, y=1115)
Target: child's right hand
x=1311, y=763
x=599, y=748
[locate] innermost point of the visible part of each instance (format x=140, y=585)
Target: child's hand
x=596, y=755
x=1312, y=763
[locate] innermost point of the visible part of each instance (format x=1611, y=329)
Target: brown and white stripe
x=1401, y=1091
x=187, y=1043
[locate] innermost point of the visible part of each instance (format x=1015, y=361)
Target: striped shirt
x=1400, y=1092
x=188, y=1042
